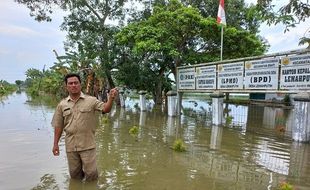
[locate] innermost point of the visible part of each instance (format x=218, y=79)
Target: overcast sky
x=26, y=43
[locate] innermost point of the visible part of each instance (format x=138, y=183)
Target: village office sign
x=286, y=74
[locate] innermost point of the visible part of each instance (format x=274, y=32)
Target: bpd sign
x=261, y=74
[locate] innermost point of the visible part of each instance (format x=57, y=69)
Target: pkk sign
x=262, y=74
x=186, y=79
x=206, y=77
x=295, y=72
x=230, y=76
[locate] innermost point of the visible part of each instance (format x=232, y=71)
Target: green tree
x=6, y=88
x=33, y=80
x=34, y=74
x=19, y=83
x=182, y=36
x=238, y=14
x=86, y=25
x=175, y=35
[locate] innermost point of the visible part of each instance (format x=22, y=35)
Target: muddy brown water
x=253, y=151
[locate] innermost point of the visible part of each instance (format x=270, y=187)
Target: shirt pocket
x=85, y=110
x=66, y=112
x=85, y=114
x=86, y=119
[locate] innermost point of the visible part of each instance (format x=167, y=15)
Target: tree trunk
x=159, y=88
x=158, y=93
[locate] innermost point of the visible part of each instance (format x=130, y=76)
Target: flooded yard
x=252, y=151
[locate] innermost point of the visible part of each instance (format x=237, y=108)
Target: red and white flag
x=221, y=19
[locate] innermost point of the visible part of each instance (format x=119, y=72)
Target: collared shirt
x=78, y=120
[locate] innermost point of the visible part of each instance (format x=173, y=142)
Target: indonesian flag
x=221, y=19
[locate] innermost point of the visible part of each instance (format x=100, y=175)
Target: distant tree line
x=6, y=88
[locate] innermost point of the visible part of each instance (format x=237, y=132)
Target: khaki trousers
x=82, y=164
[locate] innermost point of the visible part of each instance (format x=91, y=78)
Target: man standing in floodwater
x=76, y=115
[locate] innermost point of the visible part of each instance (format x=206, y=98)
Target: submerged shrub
x=134, y=130
x=104, y=120
x=179, y=145
x=229, y=120
x=285, y=186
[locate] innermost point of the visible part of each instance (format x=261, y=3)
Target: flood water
x=253, y=151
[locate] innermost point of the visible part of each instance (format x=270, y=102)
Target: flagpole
x=221, y=19
x=222, y=34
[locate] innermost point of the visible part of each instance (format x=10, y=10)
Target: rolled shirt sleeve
x=58, y=119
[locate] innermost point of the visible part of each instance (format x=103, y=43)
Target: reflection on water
x=254, y=151
x=47, y=181
x=216, y=137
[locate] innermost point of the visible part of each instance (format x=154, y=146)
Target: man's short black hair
x=72, y=75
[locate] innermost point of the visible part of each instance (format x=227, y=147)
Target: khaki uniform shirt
x=78, y=120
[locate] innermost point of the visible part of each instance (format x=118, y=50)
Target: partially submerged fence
x=286, y=72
